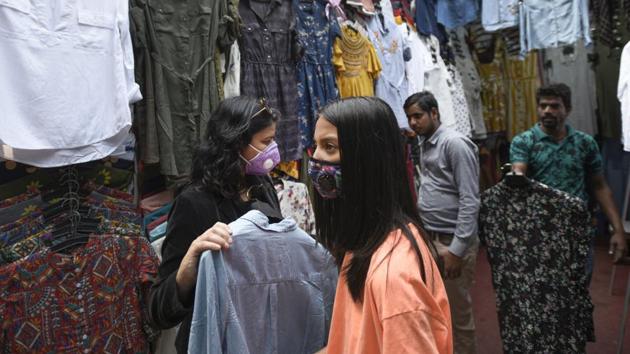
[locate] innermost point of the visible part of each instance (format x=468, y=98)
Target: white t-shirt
x=67, y=79
x=414, y=67
x=623, y=93
x=438, y=81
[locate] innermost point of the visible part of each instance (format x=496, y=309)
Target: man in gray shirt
x=448, y=201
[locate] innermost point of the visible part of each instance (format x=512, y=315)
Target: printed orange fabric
x=91, y=301
x=400, y=312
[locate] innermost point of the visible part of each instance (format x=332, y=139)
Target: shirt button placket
x=267, y=43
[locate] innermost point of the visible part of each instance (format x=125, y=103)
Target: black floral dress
x=537, y=240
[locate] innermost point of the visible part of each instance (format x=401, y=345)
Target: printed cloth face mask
x=326, y=177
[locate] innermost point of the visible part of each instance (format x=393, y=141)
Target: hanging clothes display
x=391, y=84
x=178, y=74
x=356, y=63
x=493, y=86
x=426, y=20
x=402, y=9
x=607, y=79
x=270, y=52
x=538, y=240
x=606, y=24
x=456, y=13
x=460, y=104
x=414, y=67
x=623, y=94
x=470, y=80
x=553, y=23
x=438, y=81
x=570, y=65
x=232, y=81
x=512, y=39
x=499, y=14
x=67, y=81
x=295, y=202
x=279, y=263
x=92, y=300
x=316, y=76
x=366, y=6
x=523, y=80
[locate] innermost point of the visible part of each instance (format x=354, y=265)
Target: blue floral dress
x=315, y=72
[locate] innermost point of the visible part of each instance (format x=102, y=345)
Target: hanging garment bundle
x=271, y=292
x=316, y=75
x=177, y=46
x=538, y=239
x=391, y=84
x=67, y=80
x=269, y=53
x=88, y=301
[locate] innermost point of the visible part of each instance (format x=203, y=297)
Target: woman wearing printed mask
x=229, y=178
x=390, y=296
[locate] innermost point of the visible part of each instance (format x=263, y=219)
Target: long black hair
x=217, y=166
x=375, y=188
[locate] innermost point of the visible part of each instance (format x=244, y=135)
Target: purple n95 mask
x=326, y=178
x=264, y=161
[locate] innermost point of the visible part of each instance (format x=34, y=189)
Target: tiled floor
x=608, y=309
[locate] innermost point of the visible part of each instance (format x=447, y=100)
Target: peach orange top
x=400, y=313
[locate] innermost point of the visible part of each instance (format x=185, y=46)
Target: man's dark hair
x=561, y=91
x=424, y=99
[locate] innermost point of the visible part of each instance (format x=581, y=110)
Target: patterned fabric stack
x=90, y=301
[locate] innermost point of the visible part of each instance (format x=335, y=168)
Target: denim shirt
x=457, y=13
x=553, y=23
x=391, y=85
x=271, y=292
x=426, y=20
x=499, y=14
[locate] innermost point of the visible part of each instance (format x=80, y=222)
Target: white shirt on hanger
x=67, y=79
x=415, y=66
x=438, y=81
x=232, y=83
x=623, y=93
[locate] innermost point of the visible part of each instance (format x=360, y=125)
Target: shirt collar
x=261, y=221
x=540, y=134
x=433, y=139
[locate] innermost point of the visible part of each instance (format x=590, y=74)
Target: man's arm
x=604, y=196
x=463, y=157
x=465, y=162
x=519, y=153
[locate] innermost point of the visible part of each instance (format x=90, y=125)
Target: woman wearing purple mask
x=228, y=179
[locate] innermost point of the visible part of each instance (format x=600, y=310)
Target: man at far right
x=555, y=154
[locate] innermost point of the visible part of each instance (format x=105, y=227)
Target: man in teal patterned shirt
x=554, y=153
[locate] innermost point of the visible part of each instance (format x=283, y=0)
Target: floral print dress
x=537, y=239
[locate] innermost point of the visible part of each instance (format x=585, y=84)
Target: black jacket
x=194, y=211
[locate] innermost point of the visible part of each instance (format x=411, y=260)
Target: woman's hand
x=215, y=238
